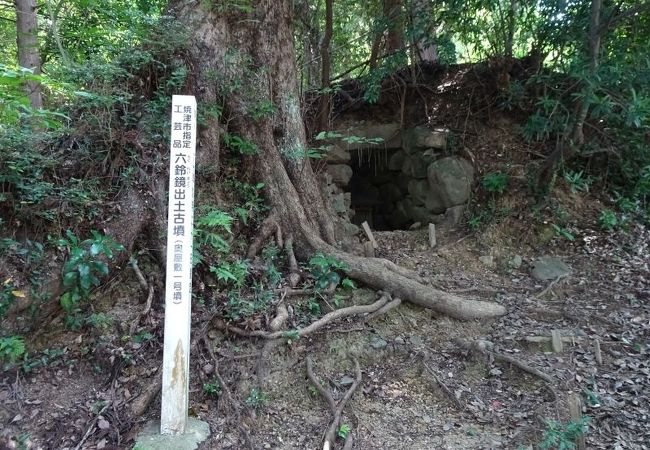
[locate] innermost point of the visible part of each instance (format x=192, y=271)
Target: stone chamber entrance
x=406, y=178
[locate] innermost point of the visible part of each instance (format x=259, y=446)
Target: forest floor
x=420, y=389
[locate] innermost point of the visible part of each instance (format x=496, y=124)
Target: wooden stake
x=432, y=235
x=598, y=353
x=556, y=341
x=368, y=232
x=575, y=411
x=178, y=283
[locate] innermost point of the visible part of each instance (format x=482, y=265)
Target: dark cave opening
x=377, y=189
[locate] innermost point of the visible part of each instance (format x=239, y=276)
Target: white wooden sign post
x=178, y=284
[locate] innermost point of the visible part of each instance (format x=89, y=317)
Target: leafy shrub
x=608, y=220
x=562, y=436
x=8, y=295
x=231, y=273
x=212, y=388
x=83, y=268
x=578, y=182
x=256, y=399
x=12, y=348
x=325, y=270
x=495, y=182
x=240, y=145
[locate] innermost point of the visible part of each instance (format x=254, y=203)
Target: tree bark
x=326, y=58
x=575, y=135
x=422, y=17
x=291, y=187
x=27, y=44
x=394, y=15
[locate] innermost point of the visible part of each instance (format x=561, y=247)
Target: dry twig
x=335, y=408
x=320, y=323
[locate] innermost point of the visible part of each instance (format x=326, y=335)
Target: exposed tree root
x=142, y=402
x=385, y=275
x=281, y=317
x=450, y=395
x=146, y=287
x=227, y=394
x=269, y=226
x=550, y=286
x=294, y=270
x=320, y=323
x=482, y=347
x=335, y=408
x=91, y=427
x=384, y=309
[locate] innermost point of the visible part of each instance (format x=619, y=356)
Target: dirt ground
x=420, y=389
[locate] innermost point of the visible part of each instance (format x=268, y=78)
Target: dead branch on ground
x=483, y=347
x=320, y=323
x=335, y=408
x=227, y=394
x=145, y=287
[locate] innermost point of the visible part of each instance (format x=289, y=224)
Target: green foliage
x=8, y=295
x=608, y=220
x=577, y=181
x=487, y=214
x=252, y=203
x=256, y=399
x=343, y=431
x=12, y=348
x=495, y=182
x=239, y=145
x=231, y=272
x=241, y=307
x=83, y=269
x=325, y=270
x=563, y=233
x=211, y=230
x=14, y=102
x=562, y=436
x=212, y=388
x=262, y=109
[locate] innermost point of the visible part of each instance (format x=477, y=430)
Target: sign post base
x=150, y=438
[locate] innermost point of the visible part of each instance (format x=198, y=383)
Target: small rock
x=103, y=424
x=415, y=226
x=346, y=380
x=378, y=343
x=549, y=268
x=416, y=341
x=400, y=340
x=495, y=372
x=516, y=261
x=488, y=260
x=208, y=369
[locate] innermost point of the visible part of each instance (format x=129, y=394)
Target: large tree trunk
x=291, y=186
x=27, y=44
x=394, y=15
x=326, y=57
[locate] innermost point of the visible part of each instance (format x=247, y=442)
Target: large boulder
x=420, y=137
x=451, y=178
x=422, y=194
x=388, y=133
x=340, y=174
x=337, y=155
x=396, y=160
x=414, y=167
